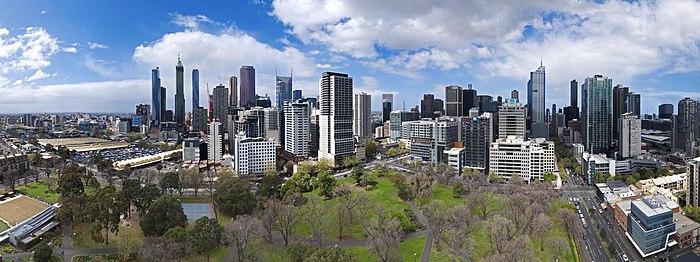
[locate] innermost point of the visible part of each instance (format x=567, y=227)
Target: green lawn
x=3, y=226
x=40, y=191
x=217, y=254
x=443, y=193
x=81, y=236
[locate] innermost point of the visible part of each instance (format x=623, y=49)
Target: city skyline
x=64, y=64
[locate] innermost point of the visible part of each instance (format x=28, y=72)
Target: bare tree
x=285, y=218
x=443, y=172
x=569, y=219
x=499, y=231
x=436, y=214
x=517, y=207
x=459, y=243
x=160, y=249
x=540, y=227
x=315, y=210
x=348, y=196
x=421, y=185
x=192, y=178
x=342, y=220
x=482, y=200
x=383, y=236
x=558, y=246
x=242, y=231
x=268, y=217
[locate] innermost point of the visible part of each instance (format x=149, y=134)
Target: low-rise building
x=456, y=158
x=650, y=225
x=678, y=182
x=687, y=231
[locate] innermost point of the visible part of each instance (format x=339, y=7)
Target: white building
x=253, y=155
x=215, y=144
x=592, y=163
x=529, y=159
x=630, y=140
x=296, y=129
x=362, y=123
x=578, y=152
x=456, y=158
x=674, y=183
x=190, y=149
x=511, y=120
x=335, y=127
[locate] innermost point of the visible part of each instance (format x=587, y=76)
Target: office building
x=665, y=111
x=596, y=114
x=283, y=90
x=297, y=129
x=263, y=101
x=233, y=86
x=389, y=98
x=252, y=156
x=9, y=164
x=215, y=144
x=421, y=133
x=200, y=119
x=251, y=122
x=156, y=97
x=427, y=107
x=272, y=121
x=536, y=96
x=362, y=124
x=511, y=120
x=515, y=95
x=650, y=225
x=314, y=131
x=477, y=135
x=143, y=110
x=634, y=103
x=296, y=94
x=179, y=95
x=455, y=159
x=163, y=106
x=220, y=106
x=195, y=89
x=630, y=140
x=190, y=149
x=386, y=110
x=469, y=99
x=248, y=97
x=396, y=121
x=573, y=92
x=335, y=103
x=453, y=101
x=527, y=159
x=686, y=126
x=446, y=135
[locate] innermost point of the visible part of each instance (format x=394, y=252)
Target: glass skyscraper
x=536, y=96
x=596, y=113
x=180, y=95
x=195, y=89
x=247, y=98
x=155, y=97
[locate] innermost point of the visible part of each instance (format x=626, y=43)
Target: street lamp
x=415, y=256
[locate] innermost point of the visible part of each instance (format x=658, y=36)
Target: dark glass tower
x=180, y=95
x=156, y=97
x=247, y=90
x=195, y=89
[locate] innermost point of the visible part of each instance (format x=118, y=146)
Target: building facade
x=247, y=92
x=536, y=96
x=253, y=155
x=477, y=135
x=693, y=192
x=297, y=129
x=362, y=115
x=454, y=101
x=180, y=95
x=335, y=105
x=157, y=114
x=630, y=139
x=233, y=86
x=396, y=120
x=511, y=120
x=195, y=89
x=527, y=159
x=596, y=112
x=220, y=105
x=215, y=143
x=650, y=225
x=199, y=119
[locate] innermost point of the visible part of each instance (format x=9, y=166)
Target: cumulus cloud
x=93, y=45
x=38, y=75
x=190, y=22
x=26, y=53
x=323, y=66
x=70, y=49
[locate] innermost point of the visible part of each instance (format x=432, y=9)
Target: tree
x=242, y=231
x=326, y=184
x=314, y=214
x=558, y=245
x=146, y=196
x=348, y=197
x=270, y=185
x=286, y=216
x=72, y=209
x=234, y=196
x=569, y=218
x=299, y=251
x=165, y=213
x=331, y=253
x=499, y=231
x=436, y=213
x=540, y=228
x=192, y=178
x=482, y=200
x=421, y=185
x=371, y=148
x=205, y=235
x=160, y=249
x=170, y=182
x=443, y=172
x=43, y=253
x=70, y=183
x=518, y=209
x=268, y=217
x=462, y=224
x=159, y=167
x=351, y=161
x=129, y=244
x=105, y=208
x=360, y=175
x=549, y=177
x=383, y=236
x=130, y=192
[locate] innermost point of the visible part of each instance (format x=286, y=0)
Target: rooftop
x=653, y=205
x=684, y=224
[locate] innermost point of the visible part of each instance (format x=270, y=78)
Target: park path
x=429, y=241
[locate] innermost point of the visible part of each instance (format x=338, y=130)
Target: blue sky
x=96, y=56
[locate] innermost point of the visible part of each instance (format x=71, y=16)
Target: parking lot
x=116, y=154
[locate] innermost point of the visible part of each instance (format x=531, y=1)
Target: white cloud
x=43, y=12
x=190, y=22
x=39, y=75
x=93, y=45
x=70, y=49
x=25, y=53
x=102, y=67
x=323, y=66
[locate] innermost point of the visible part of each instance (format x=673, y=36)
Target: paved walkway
x=429, y=241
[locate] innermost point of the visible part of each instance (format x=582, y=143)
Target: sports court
x=18, y=209
x=194, y=211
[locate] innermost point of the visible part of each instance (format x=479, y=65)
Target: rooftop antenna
x=540, y=60
x=404, y=105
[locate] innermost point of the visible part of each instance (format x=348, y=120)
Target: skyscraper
x=574, y=99
x=296, y=94
x=163, y=105
x=297, y=129
x=335, y=103
x=511, y=120
x=233, y=86
x=665, y=111
x=156, y=97
x=687, y=121
x=536, y=96
x=362, y=124
x=630, y=140
x=387, y=106
x=248, y=97
x=199, y=119
x=427, y=106
x=453, y=101
x=195, y=89
x=693, y=196
x=220, y=106
x=596, y=114
x=634, y=103
x=388, y=97
x=469, y=99
x=477, y=135
x=515, y=94
x=620, y=95
x=215, y=143
x=283, y=90
x=179, y=95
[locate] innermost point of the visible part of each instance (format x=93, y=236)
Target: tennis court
x=194, y=211
x=19, y=209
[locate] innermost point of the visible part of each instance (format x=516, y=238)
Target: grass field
x=81, y=236
x=3, y=226
x=19, y=209
x=40, y=191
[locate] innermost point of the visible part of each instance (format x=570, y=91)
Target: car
x=624, y=257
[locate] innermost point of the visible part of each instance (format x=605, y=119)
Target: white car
x=624, y=257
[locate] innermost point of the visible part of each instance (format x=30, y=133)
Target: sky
x=97, y=56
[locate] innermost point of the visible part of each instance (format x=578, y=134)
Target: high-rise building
x=253, y=155
x=536, y=96
x=515, y=95
x=665, y=111
x=630, y=140
x=528, y=159
x=220, y=106
x=156, y=97
x=477, y=135
x=143, y=110
x=314, y=131
x=620, y=96
x=335, y=102
x=163, y=105
x=469, y=99
x=215, y=143
x=233, y=85
x=297, y=129
x=199, y=119
x=263, y=101
x=693, y=192
x=596, y=114
x=386, y=109
x=248, y=97
x=650, y=224
x=362, y=124
x=179, y=95
x=446, y=134
x=396, y=120
x=283, y=90
x=438, y=107
x=427, y=106
x=251, y=122
x=687, y=131
x=296, y=94
x=574, y=99
x=190, y=149
x=195, y=89
x=453, y=101
x=511, y=120
x=388, y=97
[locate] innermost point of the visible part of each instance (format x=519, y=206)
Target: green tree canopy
x=205, y=235
x=234, y=196
x=165, y=213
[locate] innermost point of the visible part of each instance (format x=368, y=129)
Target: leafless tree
x=210, y=182
x=314, y=214
x=243, y=231
x=540, y=227
x=482, y=199
x=459, y=243
x=348, y=197
x=342, y=220
x=569, y=219
x=192, y=178
x=518, y=208
x=268, y=217
x=51, y=183
x=499, y=231
x=421, y=185
x=365, y=207
x=558, y=246
x=383, y=236
x=436, y=213
x=160, y=249
x=443, y=172
x=287, y=215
